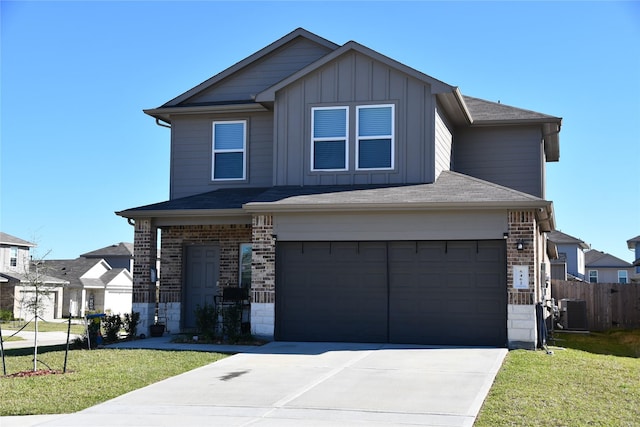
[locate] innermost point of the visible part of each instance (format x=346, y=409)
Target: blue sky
x=75, y=76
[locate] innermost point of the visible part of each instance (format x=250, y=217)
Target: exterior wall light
x=520, y=245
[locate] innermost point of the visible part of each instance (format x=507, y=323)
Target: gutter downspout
x=162, y=124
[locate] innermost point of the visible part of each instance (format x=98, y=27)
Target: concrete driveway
x=312, y=384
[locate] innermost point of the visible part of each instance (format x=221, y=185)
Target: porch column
x=522, y=280
x=263, y=268
x=144, y=258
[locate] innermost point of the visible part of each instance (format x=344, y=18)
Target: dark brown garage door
x=425, y=292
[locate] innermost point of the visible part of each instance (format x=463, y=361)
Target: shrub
x=6, y=315
x=130, y=323
x=112, y=324
x=206, y=321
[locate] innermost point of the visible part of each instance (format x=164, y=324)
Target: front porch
x=176, y=300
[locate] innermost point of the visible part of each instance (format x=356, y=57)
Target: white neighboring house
x=94, y=286
x=17, y=272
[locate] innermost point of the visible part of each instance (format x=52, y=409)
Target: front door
x=200, y=281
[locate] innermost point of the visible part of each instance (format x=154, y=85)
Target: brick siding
x=263, y=260
x=174, y=239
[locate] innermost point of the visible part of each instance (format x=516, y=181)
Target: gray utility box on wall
x=573, y=314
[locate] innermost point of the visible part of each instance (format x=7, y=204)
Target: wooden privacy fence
x=609, y=305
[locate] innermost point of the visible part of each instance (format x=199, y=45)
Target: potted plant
x=156, y=330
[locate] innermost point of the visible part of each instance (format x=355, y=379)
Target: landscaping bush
x=6, y=315
x=112, y=324
x=206, y=321
x=130, y=323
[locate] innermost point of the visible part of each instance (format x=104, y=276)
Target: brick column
x=263, y=268
x=521, y=317
x=144, y=258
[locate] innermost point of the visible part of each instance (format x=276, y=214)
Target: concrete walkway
x=307, y=384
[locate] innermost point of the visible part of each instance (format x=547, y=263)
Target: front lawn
x=590, y=379
x=10, y=327
x=93, y=376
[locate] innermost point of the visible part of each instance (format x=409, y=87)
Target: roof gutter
x=180, y=213
x=395, y=207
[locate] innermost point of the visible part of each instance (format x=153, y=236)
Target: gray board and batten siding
x=350, y=80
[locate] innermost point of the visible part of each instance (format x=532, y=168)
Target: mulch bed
x=38, y=373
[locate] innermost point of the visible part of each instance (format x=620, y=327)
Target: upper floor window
x=329, y=139
x=374, y=144
x=622, y=276
x=13, y=259
x=593, y=276
x=229, y=150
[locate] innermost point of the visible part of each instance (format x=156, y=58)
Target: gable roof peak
x=268, y=95
x=298, y=32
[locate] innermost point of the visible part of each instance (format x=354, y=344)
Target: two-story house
x=605, y=268
x=570, y=264
x=377, y=203
x=18, y=275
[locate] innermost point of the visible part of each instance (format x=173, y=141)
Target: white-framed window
x=375, y=136
x=623, y=276
x=329, y=138
x=13, y=260
x=593, y=276
x=244, y=277
x=229, y=150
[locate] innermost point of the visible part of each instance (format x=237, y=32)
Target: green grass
x=591, y=379
x=9, y=327
x=93, y=377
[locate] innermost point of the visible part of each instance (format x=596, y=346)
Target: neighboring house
x=570, y=263
x=378, y=204
x=17, y=275
x=605, y=268
x=117, y=256
x=94, y=285
x=634, y=245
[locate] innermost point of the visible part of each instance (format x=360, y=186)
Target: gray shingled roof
x=71, y=269
x=8, y=239
x=599, y=259
x=122, y=249
x=484, y=112
x=451, y=188
x=560, y=238
x=222, y=199
x=25, y=278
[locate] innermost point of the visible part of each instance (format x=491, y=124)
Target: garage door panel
x=454, y=289
x=331, y=291
x=434, y=292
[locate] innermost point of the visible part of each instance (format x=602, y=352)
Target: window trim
x=215, y=151
x=626, y=277
x=595, y=276
x=391, y=136
x=314, y=139
x=13, y=256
